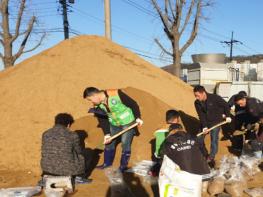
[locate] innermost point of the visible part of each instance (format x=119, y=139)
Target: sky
x=135, y=25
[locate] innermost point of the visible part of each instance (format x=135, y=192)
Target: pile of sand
x=34, y=91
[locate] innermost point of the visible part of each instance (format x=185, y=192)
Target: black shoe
x=211, y=162
x=103, y=166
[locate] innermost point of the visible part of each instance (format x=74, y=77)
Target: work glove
x=107, y=139
x=233, y=110
x=205, y=130
x=228, y=119
x=139, y=121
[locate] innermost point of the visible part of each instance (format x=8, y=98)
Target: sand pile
x=33, y=92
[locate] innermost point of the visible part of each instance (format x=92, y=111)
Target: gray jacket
x=61, y=152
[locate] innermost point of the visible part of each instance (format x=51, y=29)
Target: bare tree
x=176, y=17
x=7, y=39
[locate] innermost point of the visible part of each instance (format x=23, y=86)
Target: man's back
x=61, y=152
x=184, y=150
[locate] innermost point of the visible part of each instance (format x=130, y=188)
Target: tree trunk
x=8, y=59
x=176, y=57
x=7, y=37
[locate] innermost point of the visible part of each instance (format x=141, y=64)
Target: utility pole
x=107, y=19
x=65, y=18
x=231, y=43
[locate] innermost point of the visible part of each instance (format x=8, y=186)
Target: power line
x=40, y=16
x=214, y=33
x=114, y=26
x=148, y=55
x=140, y=8
x=251, y=48
x=243, y=50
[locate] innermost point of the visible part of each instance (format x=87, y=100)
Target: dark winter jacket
x=210, y=111
x=254, y=107
x=61, y=152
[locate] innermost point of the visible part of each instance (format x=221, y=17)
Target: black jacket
x=210, y=111
x=254, y=107
x=184, y=150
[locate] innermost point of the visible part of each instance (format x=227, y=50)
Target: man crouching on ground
x=61, y=154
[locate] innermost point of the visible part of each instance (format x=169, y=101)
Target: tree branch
x=37, y=45
x=27, y=34
x=18, y=22
x=171, y=9
x=187, y=17
x=167, y=2
x=195, y=28
x=161, y=46
x=163, y=17
x=178, y=14
x=5, y=19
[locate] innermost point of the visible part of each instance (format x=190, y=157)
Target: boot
x=125, y=157
x=108, y=159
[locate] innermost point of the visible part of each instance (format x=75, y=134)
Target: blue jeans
x=126, y=138
x=214, y=134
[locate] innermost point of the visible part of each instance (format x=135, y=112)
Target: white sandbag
x=142, y=168
x=20, y=191
x=255, y=192
x=174, y=182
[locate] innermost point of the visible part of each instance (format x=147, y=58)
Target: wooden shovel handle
x=213, y=127
x=123, y=131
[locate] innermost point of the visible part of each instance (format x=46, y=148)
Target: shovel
x=101, y=146
x=213, y=127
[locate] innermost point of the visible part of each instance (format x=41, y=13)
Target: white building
x=226, y=79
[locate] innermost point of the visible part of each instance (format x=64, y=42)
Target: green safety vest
x=160, y=136
x=118, y=113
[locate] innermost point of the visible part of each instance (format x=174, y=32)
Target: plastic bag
x=175, y=183
x=118, y=187
x=20, y=191
x=142, y=168
x=255, y=192
x=114, y=176
x=54, y=193
x=236, y=187
x=250, y=165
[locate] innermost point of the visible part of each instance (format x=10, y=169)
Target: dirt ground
x=100, y=186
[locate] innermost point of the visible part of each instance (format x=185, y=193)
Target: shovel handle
x=213, y=127
x=123, y=131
